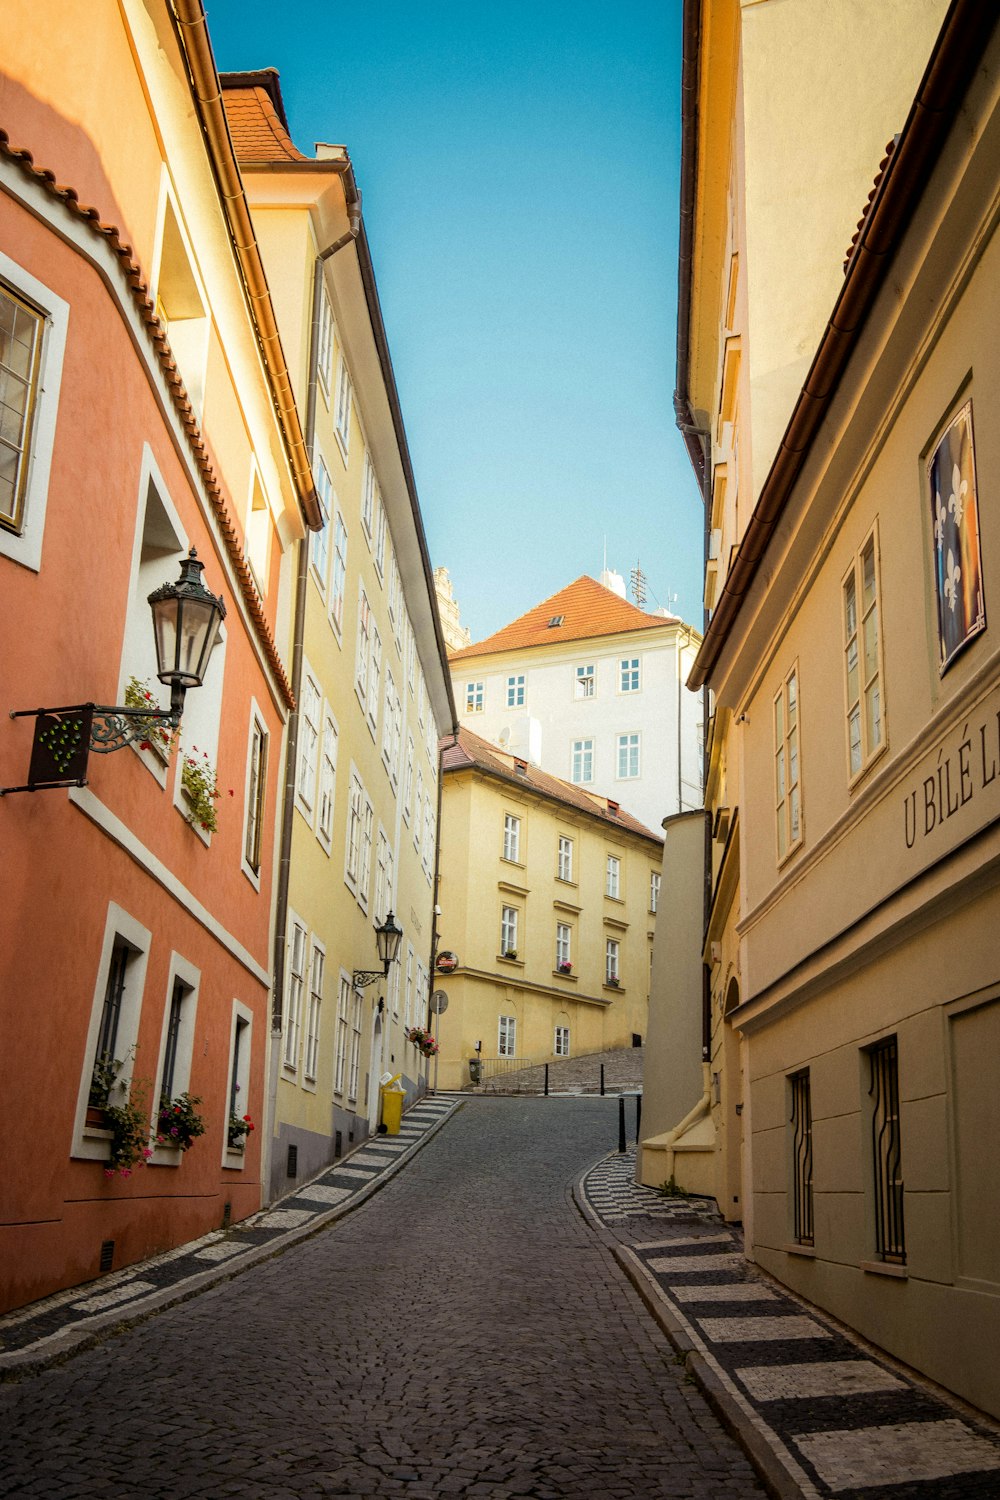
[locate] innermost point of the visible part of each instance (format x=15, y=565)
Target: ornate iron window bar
x=802, y=1158
x=890, y=1244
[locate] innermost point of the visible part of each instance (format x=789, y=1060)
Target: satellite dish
x=503, y=738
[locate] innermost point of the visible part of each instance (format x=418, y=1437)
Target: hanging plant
x=178, y=1123
x=129, y=1126
x=152, y=734
x=423, y=1041
x=200, y=789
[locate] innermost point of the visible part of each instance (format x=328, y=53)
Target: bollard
x=546, y=1080
x=621, y=1125
x=602, y=1080
x=638, y=1116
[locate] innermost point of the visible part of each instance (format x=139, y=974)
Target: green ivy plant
x=200, y=788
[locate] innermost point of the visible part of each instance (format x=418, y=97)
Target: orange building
x=146, y=410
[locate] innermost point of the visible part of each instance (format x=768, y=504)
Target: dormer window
x=520, y=766
x=556, y=620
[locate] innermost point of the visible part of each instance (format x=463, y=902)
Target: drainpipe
x=437, y=885
x=353, y=198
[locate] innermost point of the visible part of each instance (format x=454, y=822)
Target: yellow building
x=369, y=668
x=549, y=894
x=850, y=650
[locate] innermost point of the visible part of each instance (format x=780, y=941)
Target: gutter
x=690, y=64
x=192, y=33
x=954, y=61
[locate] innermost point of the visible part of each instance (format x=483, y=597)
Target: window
x=374, y=678
x=883, y=1060
x=511, y=837
x=427, y=853
x=107, y=1061
x=21, y=330
x=475, y=697
x=355, y=1067
x=181, y=306
x=315, y=1006
x=116, y=1006
x=613, y=877
x=355, y=823
x=379, y=536
x=411, y=656
x=391, y=728
x=338, y=583
x=340, y=1050
x=305, y=788
x=408, y=780
x=802, y=1177
x=324, y=344
x=365, y=873
x=585, y=681
x=562, y=944
x=327, y=780
x=421, y=699
x=383, y=877
x=256, y=787
x=239, y=1076
x=33, y=325
x=564, y=865
x=583, y=762
x=628, y=757
x=628, y=674
x=418, y=812
x=293, y=992
x=342, y=414
x=654, y=890
x=515, y=691
x=369, y=497
x=508, y=931
x=611, y=952
x=320, y=542
x=561, y=1044
x=787, y=797
x=863, y=658
x=408, y=1000
x=395, y=594
x=507, y=1036
x=364, y=646
x=168, y=1075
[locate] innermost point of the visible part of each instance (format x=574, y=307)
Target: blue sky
x=519, y=169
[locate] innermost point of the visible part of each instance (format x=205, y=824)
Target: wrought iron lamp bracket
x=361, y=978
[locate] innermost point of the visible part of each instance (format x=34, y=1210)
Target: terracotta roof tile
x=869, y=205
x=472, y=750
x=256, y=117
x=587, y=609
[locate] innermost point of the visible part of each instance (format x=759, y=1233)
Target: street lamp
x=186, y=619
x=388, y=938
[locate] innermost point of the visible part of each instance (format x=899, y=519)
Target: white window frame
x=582, y=762
x=516, y=690
x=869, y=749
x=379, y=539
x=344, y=1002
x=627, y=756
x=324, y=345
x=560, y=1042
x=319, y=543
x=369, y=496
x=326, y=801
x=655, y=881
x=509, y=923
x=629, y=674
x=585, y=681
x=342, y=409
x=254, y=796
x=363, y=652
x=297, y=946
x=507, y=1036
x=564, y=858
x=91, y=1145
x=238, y=1076
x=613, y=877
x=787, y=721
x=24, y=545
x=355, y=823
x=475, y=697
x=310, y=723
x=564, y=943
x=314, y=1012
x=180, y=972
x=374, y=681
x=338, y=577
x=512, y=838
x=612, y=960
x=408, y=780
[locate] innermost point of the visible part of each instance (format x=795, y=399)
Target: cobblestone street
x=463, y=1333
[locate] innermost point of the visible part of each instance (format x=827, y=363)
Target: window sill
x=618, y=900
x=515, y=963
x=234, y=1161
x=559, y=975
x=853, y=782
x=884, y=1268
x=794, y=1248
x=617, y=989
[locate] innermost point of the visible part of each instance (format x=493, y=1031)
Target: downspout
x=435, y=934
x=353, y=198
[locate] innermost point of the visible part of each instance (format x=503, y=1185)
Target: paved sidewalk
x=818, y=1411
x=46, y=1330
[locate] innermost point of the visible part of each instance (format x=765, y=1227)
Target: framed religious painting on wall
x=958, y=567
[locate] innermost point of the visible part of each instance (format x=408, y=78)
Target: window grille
x=886, y=1152
x=173, y=1035
x=802, y=1161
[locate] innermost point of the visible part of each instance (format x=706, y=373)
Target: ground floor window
x=802, y=1173
x=561, y=1048
x=886, y=1147
x=506, y=1037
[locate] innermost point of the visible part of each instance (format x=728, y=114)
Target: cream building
x=851, y=948
x=549, y=894
x=370, y=676
x=590, y=688
x=456, y=636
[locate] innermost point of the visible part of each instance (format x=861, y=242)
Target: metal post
x=638, y=1116
x=546, y=1080
x=621, y=1125
x=602, y=1080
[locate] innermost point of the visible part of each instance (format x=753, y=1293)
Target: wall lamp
x=186, y=619
x=388, y=938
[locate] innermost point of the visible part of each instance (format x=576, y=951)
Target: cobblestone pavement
x=821, y=1413
x=463, y=1333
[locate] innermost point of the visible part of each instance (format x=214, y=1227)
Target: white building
x=591, y=689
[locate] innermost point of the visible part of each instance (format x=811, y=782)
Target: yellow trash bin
x=393, y=1096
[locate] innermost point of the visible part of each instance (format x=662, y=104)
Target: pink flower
x=109, y=1171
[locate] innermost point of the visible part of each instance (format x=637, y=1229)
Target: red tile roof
x=471, y=750
x=870, y=204
x=256, y=116
x=587, y=609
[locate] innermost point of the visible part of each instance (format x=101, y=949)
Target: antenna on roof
x=637, y=583
x=605, y=554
